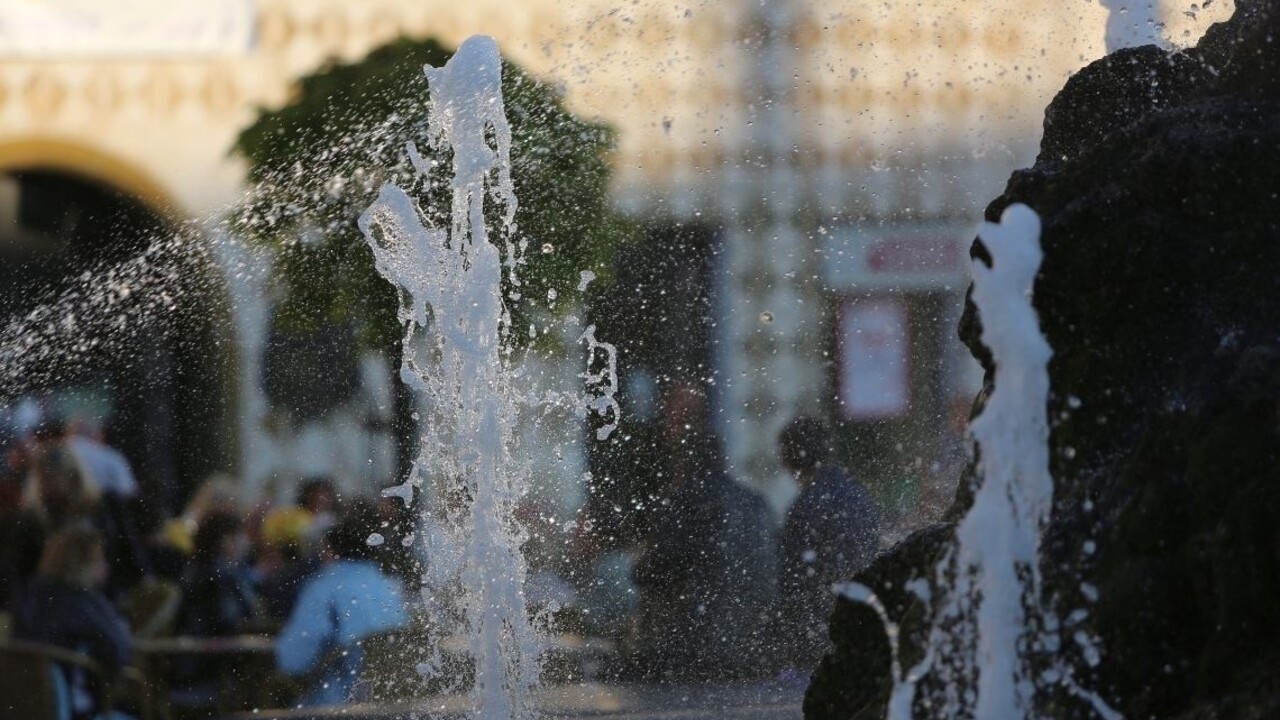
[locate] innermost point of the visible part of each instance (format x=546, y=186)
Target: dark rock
x=861, y=655
x=1116, y=91
x=1158, y=183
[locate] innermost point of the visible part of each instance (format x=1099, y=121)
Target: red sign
x=915, y=255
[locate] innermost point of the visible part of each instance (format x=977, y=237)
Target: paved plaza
x=755, y=701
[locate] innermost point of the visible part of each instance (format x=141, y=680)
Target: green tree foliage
x=319, y=161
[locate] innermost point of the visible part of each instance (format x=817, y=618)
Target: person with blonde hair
x=64, y=606
x=57, y=489
x=284, y=560
x=63, y=498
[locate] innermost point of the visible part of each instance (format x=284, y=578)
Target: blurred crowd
x=722, y=591
x=714, y=589
x=84, y=567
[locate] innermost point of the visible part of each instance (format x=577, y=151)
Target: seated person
x=218, y=600
x=702, y=571
x=176, y=540
x=218, y=595
x=282, y=563
x=831, y=532
x=57, y=497
x=348, y=600
x=318, y=497
x=64, y=606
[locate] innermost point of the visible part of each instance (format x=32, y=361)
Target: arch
x=203, y=433
x=91, y=164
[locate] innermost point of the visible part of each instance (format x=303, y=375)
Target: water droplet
x=548, y=248
x=766, y=318
x=375, y=540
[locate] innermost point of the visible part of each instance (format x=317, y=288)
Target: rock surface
x=1158, y=183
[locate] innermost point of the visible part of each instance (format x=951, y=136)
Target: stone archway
x=84, y=161
x=90, y=240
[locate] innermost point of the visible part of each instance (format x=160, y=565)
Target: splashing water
x=602, y=384
x=998, y=542
x=106, y=310
x=904, y=686
x=982, y=633
x=455, y=331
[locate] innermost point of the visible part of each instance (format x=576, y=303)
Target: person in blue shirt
x=350, y=599
x=831, y=532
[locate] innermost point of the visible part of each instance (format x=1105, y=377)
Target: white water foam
x=998, y=541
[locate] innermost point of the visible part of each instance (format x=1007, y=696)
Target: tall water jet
x=990, y=624
x=989, y=581
x=456, y=328
x=991, y=620
x=996, y=558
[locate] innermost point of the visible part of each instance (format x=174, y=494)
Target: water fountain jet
x=456, y=327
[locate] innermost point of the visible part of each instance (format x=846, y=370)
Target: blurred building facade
x=832, y=157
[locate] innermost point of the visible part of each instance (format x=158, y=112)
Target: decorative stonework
x=906, y=35
x=955, y=98
x=161, y=91
x=44, y=94
x=103, y=93
x=384, y=27
x=275, y=30
x=330, y=30
x=219, y=92
x=1004, y=41
x=953, y=33
x=852, y=83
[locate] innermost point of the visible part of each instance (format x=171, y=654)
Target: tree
x=319, y=161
